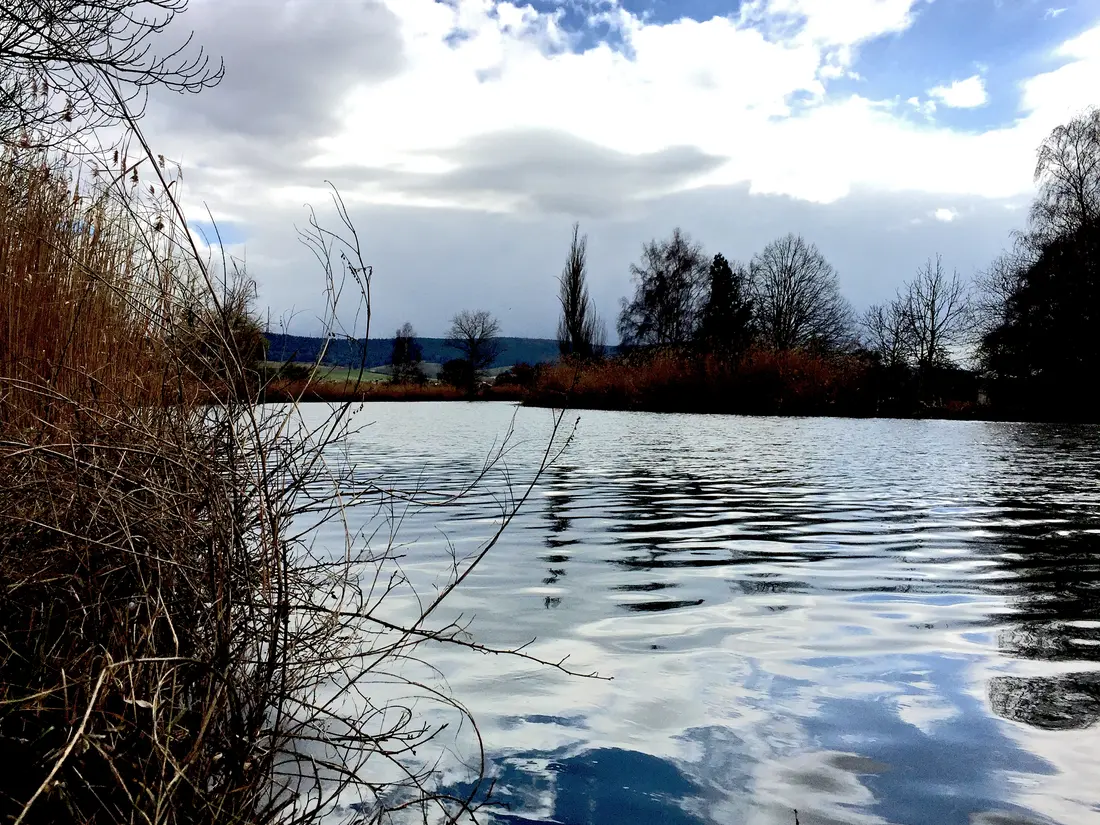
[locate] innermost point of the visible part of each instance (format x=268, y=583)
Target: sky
x=467, y=136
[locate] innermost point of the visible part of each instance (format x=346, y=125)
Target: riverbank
x=350, y=391
x=761, y=383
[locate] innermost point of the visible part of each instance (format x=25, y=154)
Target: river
x=864, y=621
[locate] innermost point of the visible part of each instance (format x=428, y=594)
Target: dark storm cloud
x=553, y=171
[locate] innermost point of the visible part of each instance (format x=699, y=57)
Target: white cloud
x=722, y=87
x=962, y=94
x=1052, y=13
x=946, y=215
x=506, y=120
x=838, y=22
x=927, y=107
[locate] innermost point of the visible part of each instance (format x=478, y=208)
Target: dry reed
x=173, y=647
x=760, y=382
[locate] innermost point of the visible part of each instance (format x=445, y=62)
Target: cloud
x=837, y=23
x=926, y=107
x=288, y=63
x=1053, y=13
x=550, y=170
x=945, y=215
x=962, y=94
x=523, y=120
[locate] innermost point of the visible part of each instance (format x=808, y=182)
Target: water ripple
x=866, y=621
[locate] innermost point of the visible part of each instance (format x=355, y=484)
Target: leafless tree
x=75, y=65
x=797, y=297
x=670, y=285
x=581, y=332
x=937, y=310
x=475, y=333
x=993, y=290
x=1068, y=175
x=886, y=332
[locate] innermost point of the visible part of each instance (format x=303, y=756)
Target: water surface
x=864, y=621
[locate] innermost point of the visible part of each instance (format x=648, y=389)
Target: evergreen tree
x=725, y=324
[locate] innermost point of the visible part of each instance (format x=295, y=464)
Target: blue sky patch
x=1002, y=41
x=230, y=233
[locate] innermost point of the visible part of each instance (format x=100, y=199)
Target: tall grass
x=76, y=290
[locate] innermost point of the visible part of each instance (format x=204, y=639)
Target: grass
x=176, y=645
x=325, y=372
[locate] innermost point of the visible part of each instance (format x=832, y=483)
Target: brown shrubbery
x=761, y=382
x=68, y=286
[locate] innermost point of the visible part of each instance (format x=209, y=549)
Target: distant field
x=341, y=375
x=336, y=374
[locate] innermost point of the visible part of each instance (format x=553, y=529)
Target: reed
x=174, y=647
x=760, y=382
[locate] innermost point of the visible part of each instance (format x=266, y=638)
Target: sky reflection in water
x=866, y=621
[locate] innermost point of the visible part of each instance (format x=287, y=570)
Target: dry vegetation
x=173, y=647
x=340, y=392
x=793, y=382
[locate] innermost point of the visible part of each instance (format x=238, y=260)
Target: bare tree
x=937, y=310
x=475, y=333
x=670, y=286
x=886, y=332
x=993, y=290
x=79, y=64
x=581, y=332
x=797, y=297
x=1068, y=174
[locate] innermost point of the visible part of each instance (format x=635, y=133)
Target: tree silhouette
x=407, y=356
x=725, y=323
x=474, y=333
x=1042, y=304
x=581, y=332
x=796, y=297
x=669, y=283
x=937, y=313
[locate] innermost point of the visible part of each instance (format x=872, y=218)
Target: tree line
x=1020, y=332
x=1023, y=329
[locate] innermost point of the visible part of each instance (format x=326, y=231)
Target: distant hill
x=344, y=353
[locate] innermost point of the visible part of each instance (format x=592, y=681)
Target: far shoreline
x=379, y=393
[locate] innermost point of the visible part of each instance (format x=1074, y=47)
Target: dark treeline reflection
x=1052, y=553
x=767, y=528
